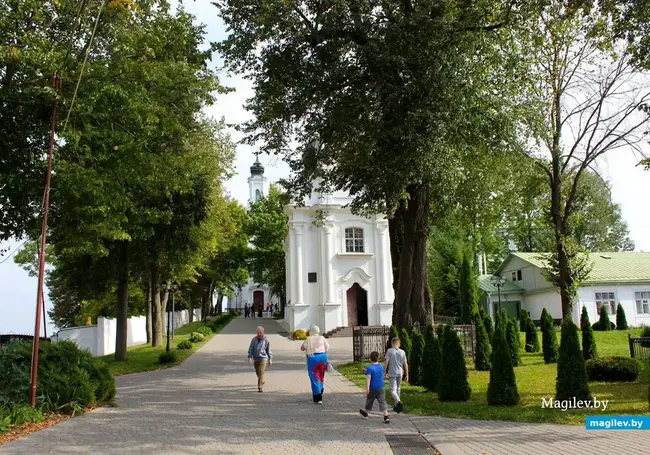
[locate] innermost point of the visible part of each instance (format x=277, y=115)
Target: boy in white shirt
x=396, y=367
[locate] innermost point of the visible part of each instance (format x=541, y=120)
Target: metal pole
x=56, y=83
x=499, y=292
x=168, y=321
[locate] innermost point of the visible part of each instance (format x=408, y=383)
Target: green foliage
x=604, y=323
x=197, y=337
x=502, y=388
x=468, y=290
x=431, y=360
x=571, y=379
x=523, y=321
x=299, y=334
x=444, y=264
x=185, y=344
x=17, y=415
x=589, y=350
x=621, y=320
x=512, y=334
x=613, y=369
x=204, y=330
x=483, y=345
x=168, y=357
x=532, y=338
x=453, y=384
x=416, y=359
x=487, y=323
x=70, y=379
x=392, y=334
x=405, y=341
x=645, y=332
x=549, y=338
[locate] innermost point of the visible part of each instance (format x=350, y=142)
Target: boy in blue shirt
x=375, y=387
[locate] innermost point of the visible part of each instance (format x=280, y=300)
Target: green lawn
x=535, y=381
x=145, y=357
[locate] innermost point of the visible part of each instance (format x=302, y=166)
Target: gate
x=639, y=347
x=368, y=339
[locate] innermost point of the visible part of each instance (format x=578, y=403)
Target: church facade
x=338, y=266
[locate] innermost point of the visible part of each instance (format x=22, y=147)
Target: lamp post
x=498, y=281
x=170, y=307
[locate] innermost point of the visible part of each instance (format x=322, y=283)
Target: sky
x=630, y=186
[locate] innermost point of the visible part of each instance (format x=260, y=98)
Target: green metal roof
x=625, y=267
x=485, y=284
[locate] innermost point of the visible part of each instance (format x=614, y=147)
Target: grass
x=145, y=357
x=535, y=380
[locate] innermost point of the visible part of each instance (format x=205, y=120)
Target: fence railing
x=639, y=347
x=375, y=338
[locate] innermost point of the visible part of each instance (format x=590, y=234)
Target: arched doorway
x=258, y=302
x=357, y=298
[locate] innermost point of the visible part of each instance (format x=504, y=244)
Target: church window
x=354, y=240
x=258, y=195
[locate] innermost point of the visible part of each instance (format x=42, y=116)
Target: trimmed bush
x=571, y=379
x=549, y=338
x=468, y=291
x=483, y=346
x=487, y=323
x=596, y=326
x=168, y=357
x=415, y=362
x=196, y=337
x=532, y=338
x=393, y=334
x=299, y=334
x=514, y=342
x=613, y=369
x=502, y=389
x=204, y=330
x=431, y=360
x=645, y=334
x=453, y=384
x=621, y=320
x=523, y=321
x=185, y=344
x=589, y=350
x=604, y=323
x=405, y=343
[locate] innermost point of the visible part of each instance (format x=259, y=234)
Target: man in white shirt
x=396, y=368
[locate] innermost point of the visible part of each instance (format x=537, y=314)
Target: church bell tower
x=256, y=181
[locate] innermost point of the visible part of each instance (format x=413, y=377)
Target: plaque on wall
x=311, y=277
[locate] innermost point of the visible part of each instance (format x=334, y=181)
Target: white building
x=252, y=293
x=338, y=266
x=614, y=278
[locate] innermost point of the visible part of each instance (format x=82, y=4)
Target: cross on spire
x=257, y=156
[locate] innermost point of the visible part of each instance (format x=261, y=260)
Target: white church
x=339, y=270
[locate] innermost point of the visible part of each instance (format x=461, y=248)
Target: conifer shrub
x=621, y=319
x=453, y=384
x=571, y=379
x=604, y=323
x=405, y=343
x=589, y=350
x=532, y=338
x=487, y=323
x=512, y=333
x=431, y=360
x=645, y=334
x=523, y=321
x=392, y=334
x=549, y=338
x=502, y=389
x=613, y=369
x=483, y=346
x=417, y=353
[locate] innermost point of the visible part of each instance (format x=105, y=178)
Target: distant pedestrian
x=246, y=311
x=252, y=310
x=259, y=354
x=316, y=347
x=375, y=387
x=396, y=369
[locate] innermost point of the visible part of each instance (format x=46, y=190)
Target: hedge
x=613, y=369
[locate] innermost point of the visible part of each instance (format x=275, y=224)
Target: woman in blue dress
x=316, y=347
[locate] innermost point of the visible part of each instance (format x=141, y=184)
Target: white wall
x=100, y=338
x=624, y=295
x=535, y=303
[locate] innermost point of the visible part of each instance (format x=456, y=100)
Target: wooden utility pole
x=40, y=302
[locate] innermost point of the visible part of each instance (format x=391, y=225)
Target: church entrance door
x=258, y=302
x=357, y=299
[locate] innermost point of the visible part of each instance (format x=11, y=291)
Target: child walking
x=375, y=387
x=396, y=366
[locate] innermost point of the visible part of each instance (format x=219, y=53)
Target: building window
x=518, y=275
x=354, y=240
x=606, y=298
x=642, y=302
x=514, y=276
x=258, y=195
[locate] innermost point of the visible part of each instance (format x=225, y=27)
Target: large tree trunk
x=220, y=303
x=204, y=305
x=156, y=308
x=147, y=302
x=396, y=234
x=121, y=337
x=413, y=300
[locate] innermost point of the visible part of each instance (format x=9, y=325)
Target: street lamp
x=498, y=281
x=170, y=307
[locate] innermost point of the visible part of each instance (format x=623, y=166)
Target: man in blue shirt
x=375, y=387
x=259, y=353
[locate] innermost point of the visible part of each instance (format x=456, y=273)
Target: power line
x=13, y=252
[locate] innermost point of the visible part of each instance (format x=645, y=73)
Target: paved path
x=210, y=405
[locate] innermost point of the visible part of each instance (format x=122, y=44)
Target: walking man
x=396, y=368
x=259, y=353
